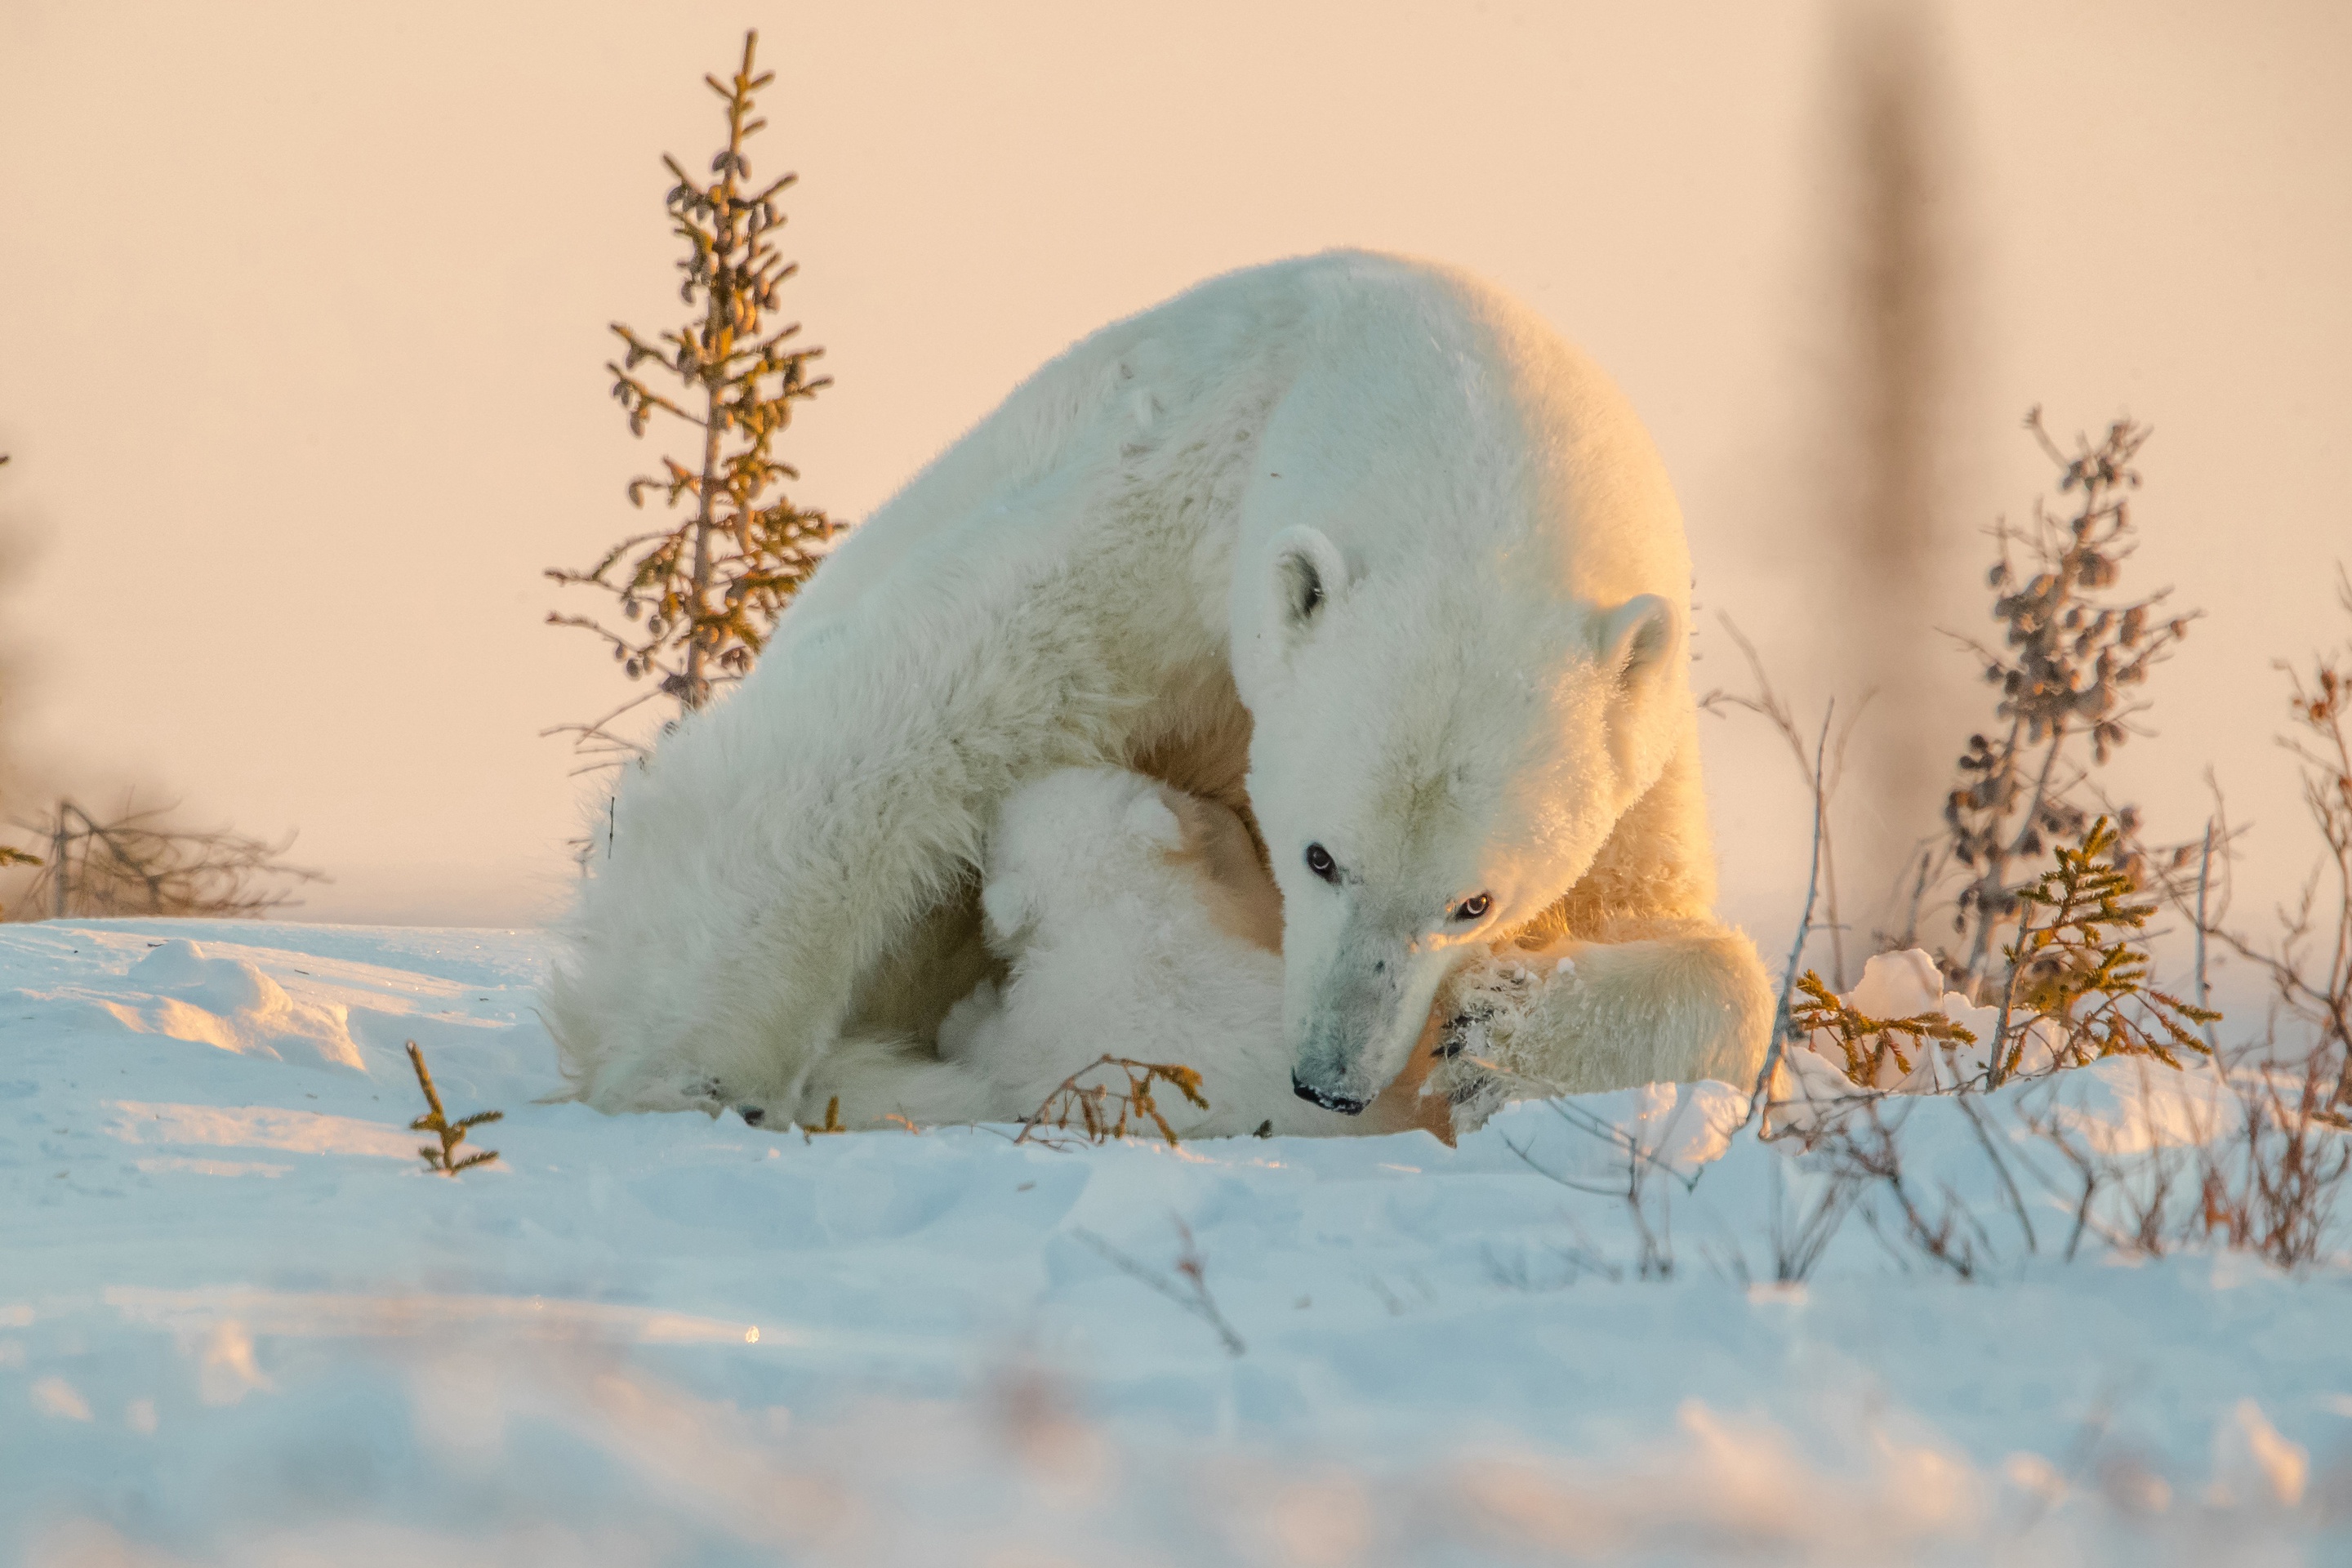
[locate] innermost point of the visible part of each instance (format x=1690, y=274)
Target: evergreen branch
x=1823, y=1011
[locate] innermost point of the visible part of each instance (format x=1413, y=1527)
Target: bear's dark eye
x=1473, y=908
x=1319, y=861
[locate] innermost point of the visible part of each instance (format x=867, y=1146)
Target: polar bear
x=1353, y=545
x=1131, y=920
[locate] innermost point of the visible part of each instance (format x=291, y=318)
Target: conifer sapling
x=700, y=596
x=444, y=1157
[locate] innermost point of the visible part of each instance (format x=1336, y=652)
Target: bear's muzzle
x=1337, y=1102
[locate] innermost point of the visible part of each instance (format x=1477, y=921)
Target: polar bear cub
x=1131, y=920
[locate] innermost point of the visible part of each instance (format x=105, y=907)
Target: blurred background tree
x=9, y=854
x=138, y=862
x=699, y=597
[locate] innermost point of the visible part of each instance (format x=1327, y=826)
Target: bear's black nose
x=1345, y=1107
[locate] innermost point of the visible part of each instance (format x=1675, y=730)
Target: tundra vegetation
x=698, y=594
x=2050, y=891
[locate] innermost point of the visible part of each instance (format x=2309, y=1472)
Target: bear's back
x=1222, y=350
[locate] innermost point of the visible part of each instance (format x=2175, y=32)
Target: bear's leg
x=1627, y=981
x=1576, y=1017
x=783, y=851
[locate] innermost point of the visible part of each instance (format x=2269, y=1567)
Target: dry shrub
x=2060, y=945
x=2266, y=1175
x=2273, y=1187
x=1863, y=1152
x=1097, y=1112
x=2309, y=967
x=138, y=862
x=2072, y=658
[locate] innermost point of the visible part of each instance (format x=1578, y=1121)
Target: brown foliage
x=2071, y=659
x=1100, y=1112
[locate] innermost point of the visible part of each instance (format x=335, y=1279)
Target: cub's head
x=1437, y=756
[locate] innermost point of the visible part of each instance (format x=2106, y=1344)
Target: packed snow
x=242, y=1323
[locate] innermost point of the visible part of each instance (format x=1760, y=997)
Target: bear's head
x=1459, y=618
x=1434, y=760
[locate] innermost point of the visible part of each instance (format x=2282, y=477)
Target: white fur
x=1354, y=543
x=1133, y=920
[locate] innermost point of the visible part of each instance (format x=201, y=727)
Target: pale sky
x=304, y=312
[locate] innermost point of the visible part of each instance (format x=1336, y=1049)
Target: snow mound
x=183, y=992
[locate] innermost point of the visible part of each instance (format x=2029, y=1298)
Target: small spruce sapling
x=1867, y=1042
x=2074, y=963
x=2075, y=968
x=436, y=1122
x=701, y=596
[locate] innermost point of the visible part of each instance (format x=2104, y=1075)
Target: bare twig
x=1780, y=1024
x=1192, y=1295
x=1952, y=1239
x=2204, y=878
x=1795, y=1252
x=1819, y=782
x=1640, y=1160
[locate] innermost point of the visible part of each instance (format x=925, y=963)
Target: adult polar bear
x=1353, y=544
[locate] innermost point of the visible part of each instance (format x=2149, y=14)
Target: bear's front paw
x=1471, y=1091
x=1486, y=1005
x=1483, y=1002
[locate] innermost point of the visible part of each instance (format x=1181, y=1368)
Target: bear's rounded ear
x=1308, y=573
x=1637, y=640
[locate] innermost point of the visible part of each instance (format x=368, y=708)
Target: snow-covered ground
x=240, y=1323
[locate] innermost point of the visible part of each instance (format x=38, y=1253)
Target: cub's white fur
x=1131, y=920
x=1352, y=545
